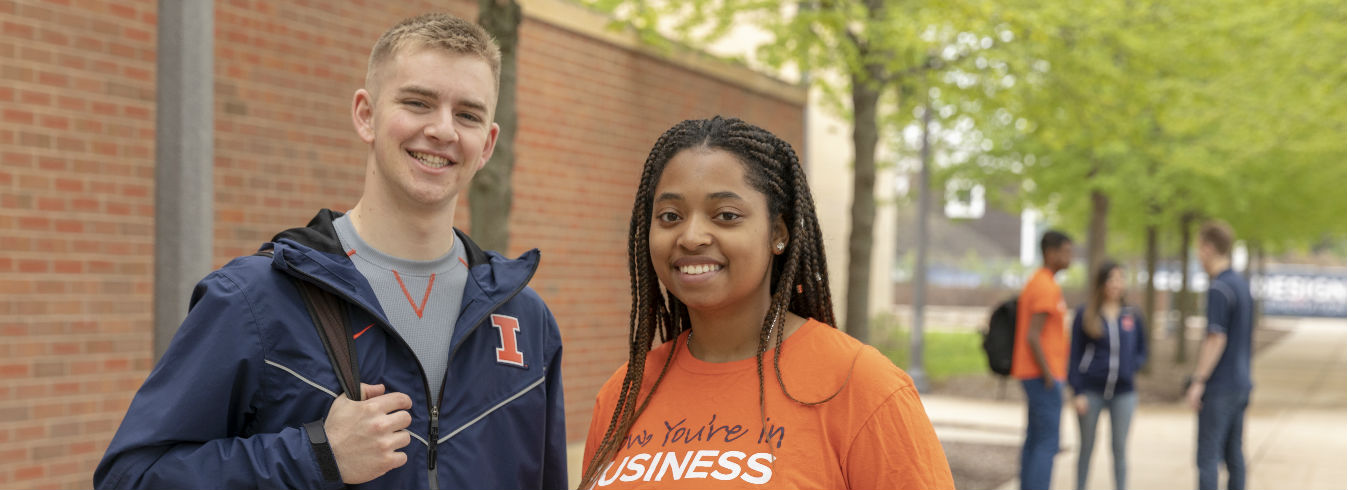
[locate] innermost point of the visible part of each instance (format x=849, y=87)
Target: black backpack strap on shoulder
x=329, y=317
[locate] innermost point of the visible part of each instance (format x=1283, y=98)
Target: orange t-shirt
x=1041, y=295
x=703, y=428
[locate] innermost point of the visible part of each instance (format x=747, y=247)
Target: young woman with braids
x=727, y=272
x=1107, y=349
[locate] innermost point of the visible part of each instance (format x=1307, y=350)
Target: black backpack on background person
x=1000, y=338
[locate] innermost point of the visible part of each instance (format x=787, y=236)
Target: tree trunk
x=1149, y=295
x=867, y=83
x=1097, y=236
x=1185, y=304
x=490, y=196
x=865, y=95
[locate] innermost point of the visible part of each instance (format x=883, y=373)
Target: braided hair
x=798, y=284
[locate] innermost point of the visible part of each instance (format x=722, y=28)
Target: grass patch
x=946, y=352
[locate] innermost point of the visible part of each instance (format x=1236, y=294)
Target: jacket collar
x=320, y=235
x=315, y=253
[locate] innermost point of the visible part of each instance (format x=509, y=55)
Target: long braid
x=816, y=271
x=755, y=146
x=813, y=294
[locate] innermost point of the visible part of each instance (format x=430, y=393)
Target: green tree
x=1119, y=118
x=866, y=56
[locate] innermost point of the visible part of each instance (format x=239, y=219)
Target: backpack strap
x=329, y=318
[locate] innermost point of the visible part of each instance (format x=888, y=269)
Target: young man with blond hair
x=460, y=360
x=1219, y=389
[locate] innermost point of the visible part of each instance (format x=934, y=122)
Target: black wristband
x=318, y=440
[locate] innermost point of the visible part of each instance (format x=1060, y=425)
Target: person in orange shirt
x=727, y=268
x=1040, y=360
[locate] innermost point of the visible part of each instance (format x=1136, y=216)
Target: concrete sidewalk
x=1296, y=429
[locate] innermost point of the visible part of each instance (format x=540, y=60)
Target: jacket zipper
x=435, y=434
x=431, y=399
x=434, y=440
x=1113, y=358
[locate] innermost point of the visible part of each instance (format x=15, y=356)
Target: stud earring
x=781, y=246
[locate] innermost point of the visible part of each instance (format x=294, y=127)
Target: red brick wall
x=77, y=107
x=76, y=231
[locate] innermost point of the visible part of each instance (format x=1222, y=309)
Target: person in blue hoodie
x=460, y=360
x=1108, y=347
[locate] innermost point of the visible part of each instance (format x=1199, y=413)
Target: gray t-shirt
x=420, y=298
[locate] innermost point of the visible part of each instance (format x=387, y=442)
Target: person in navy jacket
x=461, y=381
x=1219, y=389
x=1108, y=347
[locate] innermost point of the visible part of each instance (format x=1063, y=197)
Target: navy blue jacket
x=1106, y=365
x=226, y=405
